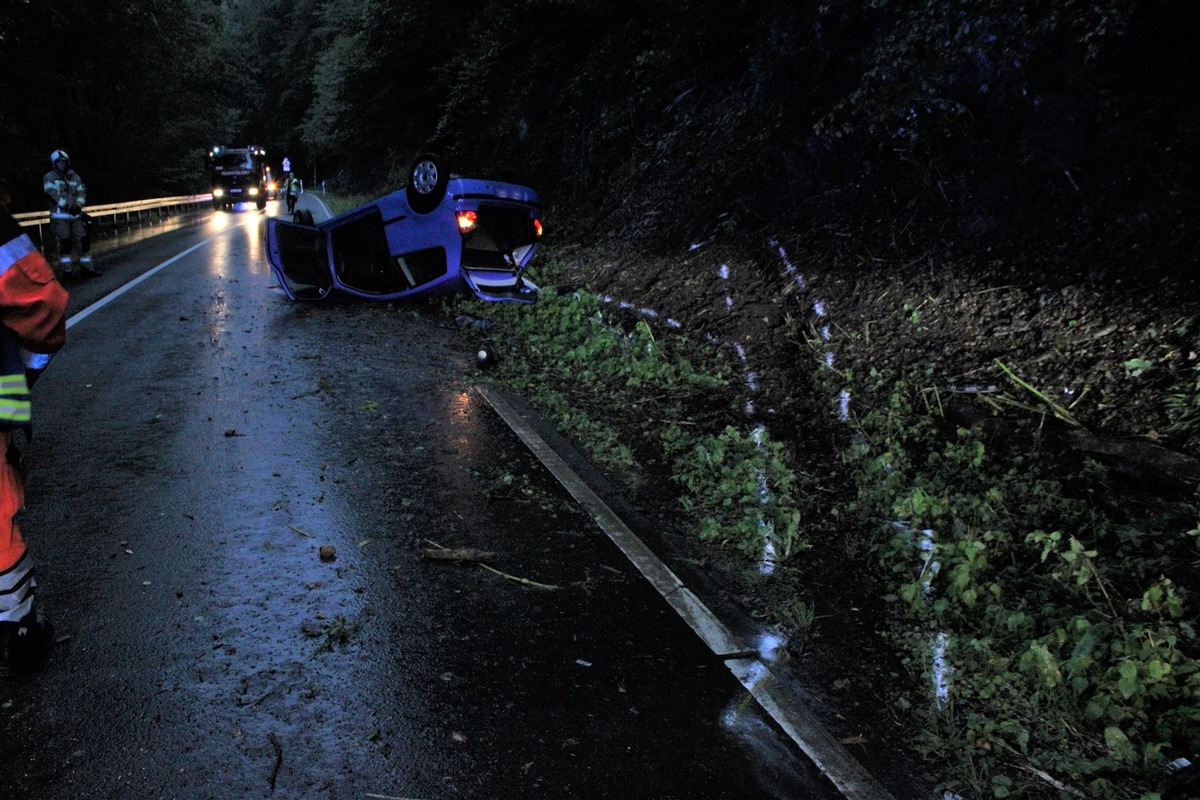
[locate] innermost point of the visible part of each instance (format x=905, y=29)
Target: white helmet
x=57, y=154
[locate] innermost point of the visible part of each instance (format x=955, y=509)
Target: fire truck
x=238, y=175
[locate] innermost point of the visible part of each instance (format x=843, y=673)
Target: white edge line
x=108, y=298
x=827, y=753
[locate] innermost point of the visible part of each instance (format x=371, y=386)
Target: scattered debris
x=301, y=532
x=1057, y=410
x=486, y=356
x=278, y=757
x=467, y=321
x=437, y=552
x=328, y=552
x=522, y=581
x=457, y=554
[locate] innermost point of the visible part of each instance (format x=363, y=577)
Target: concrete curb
x=825, y=751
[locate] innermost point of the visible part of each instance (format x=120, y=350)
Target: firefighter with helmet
x=67, y=195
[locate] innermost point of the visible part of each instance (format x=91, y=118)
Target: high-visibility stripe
x=16, y=604
x=13, y=384
x=16, y=410
x=18, y=588
x=24, y=564
x=13, y=582
x=14, y=250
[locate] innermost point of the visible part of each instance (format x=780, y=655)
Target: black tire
x=298, y=218
x=261, y=202
x=308, y=218
x=216, y=204
x=427, y=179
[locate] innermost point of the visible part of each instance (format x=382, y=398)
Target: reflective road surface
x=201, y=439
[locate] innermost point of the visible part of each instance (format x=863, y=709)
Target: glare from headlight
x=253, y=191
x=218, y=192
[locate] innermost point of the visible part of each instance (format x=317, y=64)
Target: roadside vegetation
x=1048, y=632
x=649, y=405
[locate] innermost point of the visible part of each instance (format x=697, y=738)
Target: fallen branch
x=1059, y=785
x=522, y=581
x=1058, y=411
x=457, y=554
x=476, y=557
x=278, y=758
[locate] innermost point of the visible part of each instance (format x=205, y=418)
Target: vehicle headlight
x=218, y=192
x=253, y=190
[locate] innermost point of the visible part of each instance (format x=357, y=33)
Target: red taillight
x=537, y=226
x=466, y=221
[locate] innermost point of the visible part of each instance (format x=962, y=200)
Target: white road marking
x=108, y=298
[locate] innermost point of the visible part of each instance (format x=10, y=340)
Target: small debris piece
x=457, y=554
x=278, y=758
x=301, y=532
x=467, y=321
x=520, y=580
x=328, y=552
x=231, y=432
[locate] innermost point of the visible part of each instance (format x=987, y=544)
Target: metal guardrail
x=112, y=214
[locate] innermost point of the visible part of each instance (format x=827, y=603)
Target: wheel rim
x=424, y=177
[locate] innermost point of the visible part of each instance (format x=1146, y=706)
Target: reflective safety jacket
x=65, y=191
x=33, y=324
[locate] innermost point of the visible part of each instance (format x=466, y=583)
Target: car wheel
x=427, y=179
x=261, y=203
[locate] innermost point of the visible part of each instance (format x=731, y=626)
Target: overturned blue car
x=439, y=235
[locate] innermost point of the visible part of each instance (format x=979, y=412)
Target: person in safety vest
x=32, y=327
x=294, y=190
x=67, y=194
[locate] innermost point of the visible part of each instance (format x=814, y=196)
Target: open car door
x=299, y=257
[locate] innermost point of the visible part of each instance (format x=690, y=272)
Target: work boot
x=85, y=263
x=24, y=644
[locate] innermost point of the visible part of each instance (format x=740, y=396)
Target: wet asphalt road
x=198, y=441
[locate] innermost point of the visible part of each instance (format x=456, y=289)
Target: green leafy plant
x=1072, y=644
x=1137, y=367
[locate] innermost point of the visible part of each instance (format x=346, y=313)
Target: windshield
x=233, y=160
